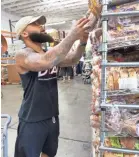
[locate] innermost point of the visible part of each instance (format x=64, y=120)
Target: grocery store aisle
x=75, y=133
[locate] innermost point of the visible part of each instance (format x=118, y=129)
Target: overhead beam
x=65, y=3
x=48, y=15
x=44, y=4
x=8, y=1
x=52, y=9
x=19, y=4
x=66, y=16
x=58, y=7
x=58, y=12
x=37, y=4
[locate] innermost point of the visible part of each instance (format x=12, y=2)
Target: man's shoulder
x=23, y=52
x=20, y=58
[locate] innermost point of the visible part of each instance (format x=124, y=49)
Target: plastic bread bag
x=129, y=114
x=130, y=126
x=96, y=142
x=95, y=124
x=93, y=14
x=121, y=142
x=91, y=24
x=95, y=37
x=95, y=121
x=98, y=33
x=113, y=22
x=113, y=120
x=96, y=59
x=110, y=154
x=129, y=143
x=95, y=108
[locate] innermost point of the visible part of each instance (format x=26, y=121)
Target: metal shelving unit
x=104, y=92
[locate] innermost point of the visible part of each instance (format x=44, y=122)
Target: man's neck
x=37, y=47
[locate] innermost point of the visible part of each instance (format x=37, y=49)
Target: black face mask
x=41, y=37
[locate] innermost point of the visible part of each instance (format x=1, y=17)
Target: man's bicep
x=32, y=62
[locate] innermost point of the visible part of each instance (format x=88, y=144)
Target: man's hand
x=79, y=31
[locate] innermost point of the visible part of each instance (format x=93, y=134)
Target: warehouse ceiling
x=56, y=11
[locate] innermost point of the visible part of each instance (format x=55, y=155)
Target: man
x=38, y=128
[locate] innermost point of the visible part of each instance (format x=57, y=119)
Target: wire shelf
x=126, y=13
x=123, y=134
x=119, y=150
x=122, y=92
x=105, y=48
x=109, y=133
x=121, y=64
x=119, y=2
x=121, y=45
x=127, y=106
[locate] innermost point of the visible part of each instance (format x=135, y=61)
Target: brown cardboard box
x=13, y=76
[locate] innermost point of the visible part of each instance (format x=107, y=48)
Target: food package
x=95, y=121
x=123, y=78
x=131, y=56
x=121, y=142
x=123, y=30
x=93, y=14
x=122, y=121
x=118, y=121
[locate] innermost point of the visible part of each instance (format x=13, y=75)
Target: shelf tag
x=128, y=83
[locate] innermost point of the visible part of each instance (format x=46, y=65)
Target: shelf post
x=103, y=74
x=10, y=24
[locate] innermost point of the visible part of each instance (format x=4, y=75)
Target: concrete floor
x=74, y=100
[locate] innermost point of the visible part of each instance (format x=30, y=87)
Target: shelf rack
x=123, y=92
x=7, y=34
x=105, y=64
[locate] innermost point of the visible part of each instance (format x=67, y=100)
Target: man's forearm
x=73, y=56
x=77, y=54
x=59, y=52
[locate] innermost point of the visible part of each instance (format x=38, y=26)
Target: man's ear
x=24, y=34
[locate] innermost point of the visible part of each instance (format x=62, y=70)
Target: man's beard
x=41, y=37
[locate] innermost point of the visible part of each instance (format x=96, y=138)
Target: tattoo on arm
x=33, y=61
x=73, y=56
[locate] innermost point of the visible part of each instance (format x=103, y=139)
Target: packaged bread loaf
x=93, y=14
x=122, y=78
x=121, y=142
x=124, y=73
x=110, y=81
x=116, y=76
x=132, y=72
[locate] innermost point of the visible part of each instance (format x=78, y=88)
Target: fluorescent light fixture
x=58, y=23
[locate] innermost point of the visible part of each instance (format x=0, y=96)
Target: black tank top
x=40, y=100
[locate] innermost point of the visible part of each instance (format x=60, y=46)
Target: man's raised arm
x=75, y=54
x=32, y=61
